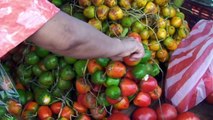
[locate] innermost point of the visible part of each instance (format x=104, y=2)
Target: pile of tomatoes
x=158, y=24
x=53, y=86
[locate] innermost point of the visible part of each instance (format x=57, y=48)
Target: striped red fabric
x=190, y=73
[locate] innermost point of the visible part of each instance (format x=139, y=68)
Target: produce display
x=51, y=86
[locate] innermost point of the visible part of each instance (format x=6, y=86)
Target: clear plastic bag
x=10, y=109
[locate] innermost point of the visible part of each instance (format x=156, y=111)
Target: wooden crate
x=199, y=11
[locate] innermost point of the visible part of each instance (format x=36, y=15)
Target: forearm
x=71, y=37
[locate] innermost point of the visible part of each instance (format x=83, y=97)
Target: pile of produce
x=51, y=86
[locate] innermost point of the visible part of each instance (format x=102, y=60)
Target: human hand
x=131, y=48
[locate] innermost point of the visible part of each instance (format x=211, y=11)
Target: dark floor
x=204, y=111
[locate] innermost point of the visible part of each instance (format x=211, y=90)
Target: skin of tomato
x=118, y=116
x=98, y=77
x=128, y=62
x=103, y=61
x=44, y=112
x=169, y=112
x=93, y=66
x=187, y=116
x=67, y=112
x=123, y=104
x=89, y=101
x=128, y=87
x=116, y=69
x=144, y=113
x=81, y=86
x=79, y=107
x=135, y=35
x=142, y=99
x=14, y=108
x=98, y=112
x=83, y=117
x=113, y=101
x=31, y=106
x=56, y=107
x=149, y=85
x=156, y=94
x=129, y=74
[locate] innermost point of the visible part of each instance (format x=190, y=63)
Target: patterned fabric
x=190, y=73
x=21, y=18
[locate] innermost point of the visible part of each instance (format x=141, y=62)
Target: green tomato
x=98, y=77
x=139, y=71
x=36, y=70
x=155, y=70
x=112, y=81
x=127, y=22
x=41, y=52
x=2, y=110
x=29, y=95
x=22, y=96
x=31, y=58
x=103, y=61
x=24, y=71
x=67, y=73
x=70, y=60
x=146, y=56
x=113, y=92
x=79, y=67
x=46, y=79
x=50, y=62
x=57, y=2
x=64, y=84
x=43, y=97
x=102, y=100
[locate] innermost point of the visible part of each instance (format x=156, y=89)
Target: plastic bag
x=9, y=97
x=21, y=19
x=190, y=73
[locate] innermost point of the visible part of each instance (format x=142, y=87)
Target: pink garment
x=21, y=18
x=190, y=73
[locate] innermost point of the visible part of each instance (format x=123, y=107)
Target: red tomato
x=135, y=35
x=96, y=88
x=14, y=108
x=187, y=116
x=118, y=116
x=209, y=98
x=31, y=106
x=83, y=117
x=56, y=107
x=129, y=62
x=142, y=99
x=116, y=69
x=44, y=112
x=123, y=104
x=149, y=85
x=79, y=107
x=168, y=112
x=144, y=113
x=129, y=74
x=156, y=93
x=93, y=66
x=81, y=86
x=67, y=112
x=112, y=101
x=98, y=112
x=89, y=101
x=128, y=87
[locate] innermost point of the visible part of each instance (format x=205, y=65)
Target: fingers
x=130, y=48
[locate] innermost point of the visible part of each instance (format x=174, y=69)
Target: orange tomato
x=81, y=86
x=67, y=112
x=56, y=107
x=93, y=66
x=116, y=69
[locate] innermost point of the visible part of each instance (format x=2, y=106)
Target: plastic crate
x=199, y=11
